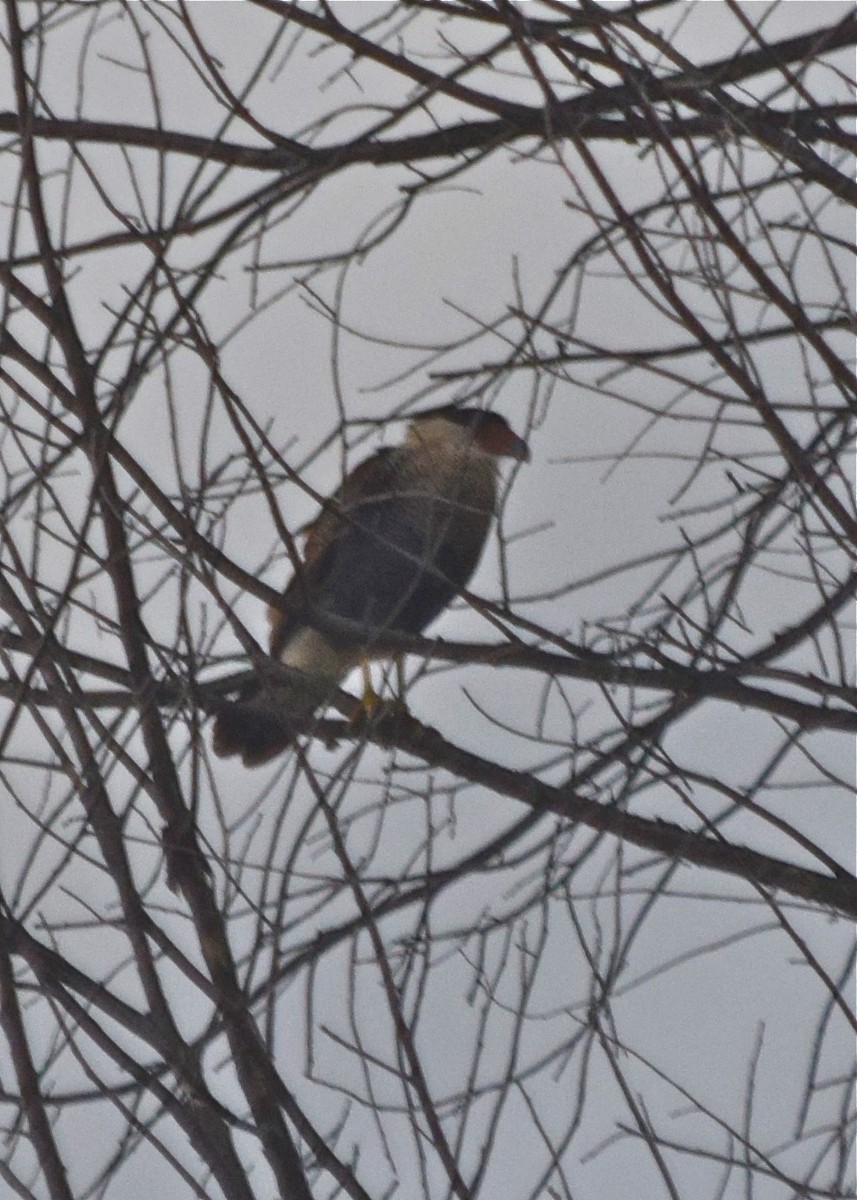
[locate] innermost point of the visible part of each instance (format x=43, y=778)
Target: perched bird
x=389, y=550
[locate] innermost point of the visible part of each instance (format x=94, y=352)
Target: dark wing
x=372, y=477
x=387, y=560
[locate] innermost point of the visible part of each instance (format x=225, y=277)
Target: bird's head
x=469, y=429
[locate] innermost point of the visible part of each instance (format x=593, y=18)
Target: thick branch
x=402, y=732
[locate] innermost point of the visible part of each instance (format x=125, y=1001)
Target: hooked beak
x=518, y=449
x=500, y=441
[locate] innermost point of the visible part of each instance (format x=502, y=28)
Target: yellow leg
x=370, y=699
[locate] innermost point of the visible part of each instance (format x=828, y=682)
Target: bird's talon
x=370, y=701
x=366, y=709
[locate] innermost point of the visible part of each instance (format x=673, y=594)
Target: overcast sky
x=438, y=295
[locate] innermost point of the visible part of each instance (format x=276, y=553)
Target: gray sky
x=471, y=252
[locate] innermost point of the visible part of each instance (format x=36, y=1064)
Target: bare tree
x=575, y=923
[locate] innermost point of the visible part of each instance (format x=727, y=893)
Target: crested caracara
x=396, y=543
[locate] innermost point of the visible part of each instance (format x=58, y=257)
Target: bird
x=388, y=552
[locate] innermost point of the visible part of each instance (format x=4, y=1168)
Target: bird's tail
x=252, y=729
x=267, y=717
